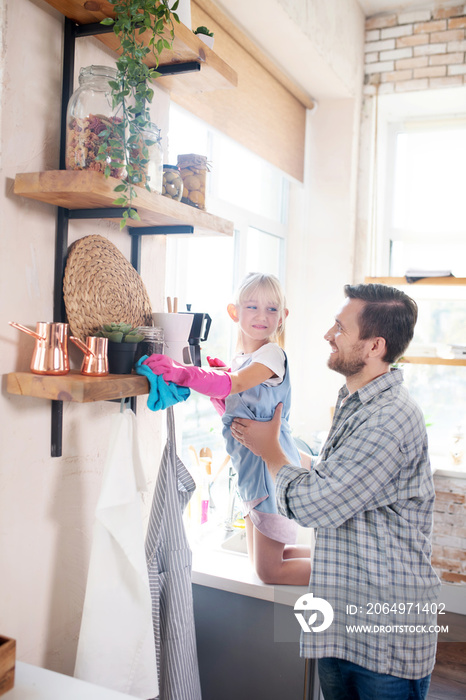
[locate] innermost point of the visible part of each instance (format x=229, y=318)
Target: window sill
x=441, y=467
x=232, y=572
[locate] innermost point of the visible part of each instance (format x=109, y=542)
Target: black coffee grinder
x=198, y=334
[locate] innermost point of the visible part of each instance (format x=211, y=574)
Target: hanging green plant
x=127, y=145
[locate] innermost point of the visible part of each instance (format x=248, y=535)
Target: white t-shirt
x=271, y=355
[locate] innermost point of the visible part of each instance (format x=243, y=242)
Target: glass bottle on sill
x=457, y=446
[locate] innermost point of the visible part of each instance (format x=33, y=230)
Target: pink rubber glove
x=214, y=384
x=218, y=404
x=215, y=362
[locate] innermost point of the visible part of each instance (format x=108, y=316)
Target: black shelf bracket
x=95, y=28
x=179, y=68
x=104, y=213
x=61, y=233
x=159, y=230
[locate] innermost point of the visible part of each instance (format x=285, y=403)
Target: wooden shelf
x=76, y=387
x=86, y=189
x=397, y=281
x=456, y=362
x=215, y=74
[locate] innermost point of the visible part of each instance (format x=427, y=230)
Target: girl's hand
x=215, y=362
x=206, y=381
x=261, y=437
x=162, y=364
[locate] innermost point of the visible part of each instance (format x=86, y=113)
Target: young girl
x=257, y=382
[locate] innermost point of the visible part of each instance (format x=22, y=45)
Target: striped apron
x=169, y=562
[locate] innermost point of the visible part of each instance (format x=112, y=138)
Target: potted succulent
x=122, y=345
x=132, y=92
x=205, y=35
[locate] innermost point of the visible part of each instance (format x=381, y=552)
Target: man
x=370, y=497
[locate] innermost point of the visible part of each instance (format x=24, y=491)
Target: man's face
x=348, y=352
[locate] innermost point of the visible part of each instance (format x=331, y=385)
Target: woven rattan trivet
x=101, y=286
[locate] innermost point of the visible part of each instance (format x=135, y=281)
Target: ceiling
x=373, y=7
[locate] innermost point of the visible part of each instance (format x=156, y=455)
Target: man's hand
x=261, y=437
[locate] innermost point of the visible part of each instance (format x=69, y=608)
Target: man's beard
x=349, y=366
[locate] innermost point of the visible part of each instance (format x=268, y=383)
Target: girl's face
x=258, y=316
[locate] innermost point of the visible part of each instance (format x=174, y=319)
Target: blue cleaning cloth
x=161, y=394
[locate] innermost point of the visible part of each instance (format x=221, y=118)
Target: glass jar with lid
x=172, y=182
x=193, y=170
x=147, y=158
x=153, y=341
x=91, y=120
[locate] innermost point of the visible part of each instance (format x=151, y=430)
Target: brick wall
x=418, y=50
x=449, y=538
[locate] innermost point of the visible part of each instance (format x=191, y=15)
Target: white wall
x=320, y=255
x=319, y=43
x=46, y=505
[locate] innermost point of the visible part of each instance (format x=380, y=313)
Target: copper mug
x=50, y=354
x=95, y=362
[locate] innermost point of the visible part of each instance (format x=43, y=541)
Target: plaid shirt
x=370, y=496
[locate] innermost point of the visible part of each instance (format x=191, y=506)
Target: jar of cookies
x=193, y=170
x=172, y=183
x=91, y=121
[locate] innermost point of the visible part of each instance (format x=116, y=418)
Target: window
x=204, y=272
x=425, y=223
x=424, y=228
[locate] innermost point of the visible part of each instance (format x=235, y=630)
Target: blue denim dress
x=258, y=403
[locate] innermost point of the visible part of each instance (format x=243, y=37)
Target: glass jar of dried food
x=153, y=341
x=172, y=182
x=193, y=169
x=91, y=121
x=148, y=158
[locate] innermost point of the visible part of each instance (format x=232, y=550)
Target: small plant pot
x=121, y=357
x=208, y=40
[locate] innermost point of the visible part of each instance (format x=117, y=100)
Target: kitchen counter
x=231, y=571
x=35, y=683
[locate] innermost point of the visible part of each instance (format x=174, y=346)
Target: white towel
x=116, y=644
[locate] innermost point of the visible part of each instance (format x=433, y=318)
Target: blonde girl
x=257, y=381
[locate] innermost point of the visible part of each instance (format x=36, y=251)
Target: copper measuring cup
x=50, y=354
x=95, y=362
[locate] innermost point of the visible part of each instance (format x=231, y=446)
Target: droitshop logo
x=308, y=604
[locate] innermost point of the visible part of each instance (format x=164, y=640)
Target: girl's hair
x=270, y=287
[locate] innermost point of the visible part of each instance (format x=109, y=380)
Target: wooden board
x=396, y=281
x=86, y=189
x=7, y=664
x=453, y=362
x=215, y=74
x=76, y=387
